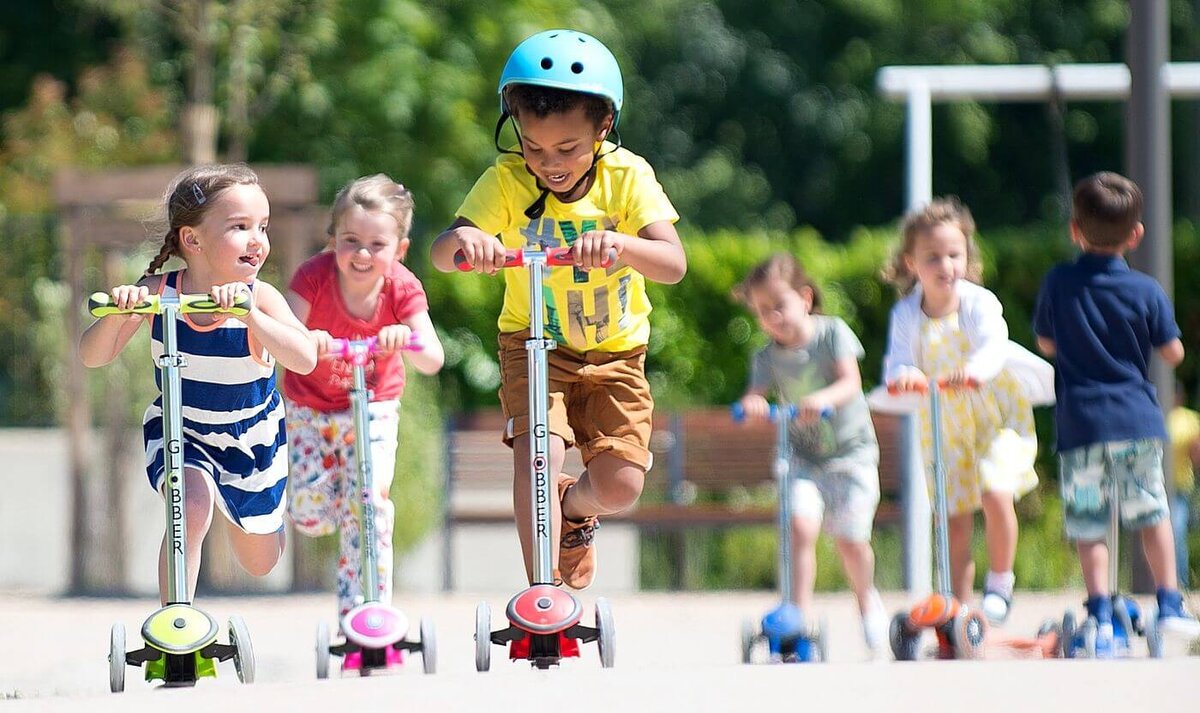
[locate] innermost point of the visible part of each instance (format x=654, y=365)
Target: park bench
x=709, y=472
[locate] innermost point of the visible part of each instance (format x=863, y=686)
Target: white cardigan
x=981, y=317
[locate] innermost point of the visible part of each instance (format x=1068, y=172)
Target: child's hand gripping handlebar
x=555, y=257
x=101, y=304
x=789, y=412
x=356, y=351
x=921, y=385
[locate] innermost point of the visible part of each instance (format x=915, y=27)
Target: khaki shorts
x=599, y=401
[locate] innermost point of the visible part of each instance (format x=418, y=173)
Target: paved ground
x=673, y=652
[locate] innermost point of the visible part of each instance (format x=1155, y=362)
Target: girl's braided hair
x=190, y=196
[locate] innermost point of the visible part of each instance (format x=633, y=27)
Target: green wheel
x=116, y=658
x=243, y=650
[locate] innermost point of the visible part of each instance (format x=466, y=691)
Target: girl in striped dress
x=235, y=446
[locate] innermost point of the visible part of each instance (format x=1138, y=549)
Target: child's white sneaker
x=875, y=628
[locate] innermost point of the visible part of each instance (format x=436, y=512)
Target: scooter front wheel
x=116, y=658
x=970, y=630
x=483, y=637
x=749, y=637
x=605, y=633
x=905, y=644
x=322, y=650
x=243, y=650
x=428, y=645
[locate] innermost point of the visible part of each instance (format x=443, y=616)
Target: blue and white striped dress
x=233, y=418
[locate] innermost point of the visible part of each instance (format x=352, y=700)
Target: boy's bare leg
x=257, y=554
x=858, y=560
x=610, y=484
x=804, y=561
x=962, y=564
x=1000, y=530
x=200, y=495
x=1158, y=541
x=1093, y=560
x=522, y=504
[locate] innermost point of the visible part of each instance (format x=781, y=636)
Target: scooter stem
x=170, y=363
x=542, y=488
x=366, y=477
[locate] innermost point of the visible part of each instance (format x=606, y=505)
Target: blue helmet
x=565, y=59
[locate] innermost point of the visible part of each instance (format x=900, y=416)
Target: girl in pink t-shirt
x=358, y=289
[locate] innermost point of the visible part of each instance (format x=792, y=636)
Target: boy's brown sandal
x=576, y=552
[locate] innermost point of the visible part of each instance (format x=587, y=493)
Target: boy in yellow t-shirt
x=566, y=184
x=1183, y=427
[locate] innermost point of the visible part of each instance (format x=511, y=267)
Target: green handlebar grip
x=100, y=304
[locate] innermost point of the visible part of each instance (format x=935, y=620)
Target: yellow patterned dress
x=988, y=437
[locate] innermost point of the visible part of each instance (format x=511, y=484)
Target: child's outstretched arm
x=104, y=340
x=273, y=324
x=485, y=253
x=430, y=357
x=658, y=254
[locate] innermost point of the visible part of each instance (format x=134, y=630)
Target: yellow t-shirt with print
x=596, y=310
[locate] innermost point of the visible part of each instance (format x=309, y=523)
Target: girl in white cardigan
x=946, y=326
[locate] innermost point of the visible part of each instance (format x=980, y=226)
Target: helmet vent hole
x=577, y=67
x=547, y=63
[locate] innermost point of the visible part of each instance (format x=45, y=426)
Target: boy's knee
x=622, y=490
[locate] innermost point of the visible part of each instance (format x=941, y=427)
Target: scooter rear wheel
x=605, y=633
x=243, y=650
x=116, y=658
x=483, y=637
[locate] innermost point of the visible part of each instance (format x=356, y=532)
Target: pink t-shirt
x=327, y=388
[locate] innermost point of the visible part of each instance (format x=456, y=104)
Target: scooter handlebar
x=100, y=304
x=943, y=383
x=555, y=257
x=345, y=348
x=789, y=411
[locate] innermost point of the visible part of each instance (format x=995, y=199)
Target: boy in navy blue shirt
x=1101, y=320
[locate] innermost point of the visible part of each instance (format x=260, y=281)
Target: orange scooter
x=960, y=629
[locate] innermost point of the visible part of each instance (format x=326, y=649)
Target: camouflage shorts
x=1086, y=476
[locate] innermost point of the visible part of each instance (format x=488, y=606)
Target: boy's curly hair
x=544, y=101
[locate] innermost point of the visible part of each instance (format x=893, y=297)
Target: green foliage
x=417, y=485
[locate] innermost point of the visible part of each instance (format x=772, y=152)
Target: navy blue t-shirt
x=1105, y=320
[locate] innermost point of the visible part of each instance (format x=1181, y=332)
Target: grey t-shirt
x=793, y=373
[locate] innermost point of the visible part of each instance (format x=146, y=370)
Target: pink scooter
x=375, y=632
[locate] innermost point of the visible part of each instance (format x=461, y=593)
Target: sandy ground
x=673, y=652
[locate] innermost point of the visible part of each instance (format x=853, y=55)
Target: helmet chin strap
x=538, y=207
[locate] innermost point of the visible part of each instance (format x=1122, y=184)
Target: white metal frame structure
x=920, y=86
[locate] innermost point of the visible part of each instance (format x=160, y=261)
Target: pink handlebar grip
x=344, y=348
x=555, y=257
